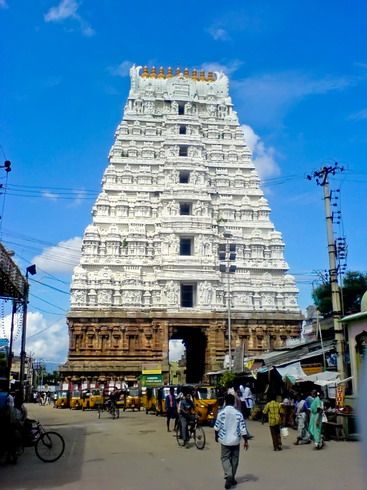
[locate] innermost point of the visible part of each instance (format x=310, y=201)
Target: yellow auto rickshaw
x=206, y=404
x=91, y=398
x=149, y=400
x=132, y=399
x=76, y=400
x=63, y=399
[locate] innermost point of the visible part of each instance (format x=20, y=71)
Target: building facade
x=179, y=189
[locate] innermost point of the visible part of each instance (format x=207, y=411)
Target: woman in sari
x=315, y=426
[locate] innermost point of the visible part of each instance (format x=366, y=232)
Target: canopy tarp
x=324, y=378
x=293, y=372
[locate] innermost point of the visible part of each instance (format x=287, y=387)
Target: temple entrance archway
x=195, y=342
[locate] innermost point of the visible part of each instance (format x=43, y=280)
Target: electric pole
x=322, y=179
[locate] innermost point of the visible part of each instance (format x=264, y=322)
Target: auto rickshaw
x=63, y=399
x=132, y=400
x=76, y=400
x=150, y=400
x=92, y=399
x=206, y=404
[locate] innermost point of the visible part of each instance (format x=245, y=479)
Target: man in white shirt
x=229, y=427
x=249, y=400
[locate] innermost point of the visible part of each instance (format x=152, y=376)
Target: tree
x=353, y=287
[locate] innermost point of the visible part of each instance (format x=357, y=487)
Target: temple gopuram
x=180, y=245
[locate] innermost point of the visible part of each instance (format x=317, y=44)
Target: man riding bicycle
x=114, y=398
x=187, y=415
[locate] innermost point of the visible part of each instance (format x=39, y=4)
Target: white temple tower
x=180, y=187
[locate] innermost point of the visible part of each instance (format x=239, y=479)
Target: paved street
x=136, y=453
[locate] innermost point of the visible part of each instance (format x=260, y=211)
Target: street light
x=227, y=254
x=30, y=270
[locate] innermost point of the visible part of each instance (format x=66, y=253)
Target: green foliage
x=353, y=288
x=322, y=299
x=227, y=379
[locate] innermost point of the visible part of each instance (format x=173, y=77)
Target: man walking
x=275, y=412
x=171, y=406
x=229, y=427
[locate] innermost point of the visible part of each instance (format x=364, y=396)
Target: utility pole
x=227, y=254
x=322, y=179
x=30, y=270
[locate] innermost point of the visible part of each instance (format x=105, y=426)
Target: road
x=137, y=453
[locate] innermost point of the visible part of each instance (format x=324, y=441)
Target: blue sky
x=298, y=74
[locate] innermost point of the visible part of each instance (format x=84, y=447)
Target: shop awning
x=324, y=378
x=293, y=372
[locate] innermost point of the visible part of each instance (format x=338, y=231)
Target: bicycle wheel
x=199, y=437
x=180, y=439
x=50, y=447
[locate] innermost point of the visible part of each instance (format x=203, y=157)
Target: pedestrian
x=249, y=400
x=229, y=427
x=275, y=412
x=242, y=395
x=237, y=399
x=303, y=436
x=171, y=406
x=315, y=426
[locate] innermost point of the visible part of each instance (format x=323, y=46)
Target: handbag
x=284, y=432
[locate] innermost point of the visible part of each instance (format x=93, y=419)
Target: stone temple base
x=116, y=344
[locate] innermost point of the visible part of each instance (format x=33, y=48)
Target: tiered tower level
x=180, y=177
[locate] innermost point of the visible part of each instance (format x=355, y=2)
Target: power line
x=47, y=302
x=50, y=287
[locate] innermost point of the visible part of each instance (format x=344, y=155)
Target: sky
x=298, y=79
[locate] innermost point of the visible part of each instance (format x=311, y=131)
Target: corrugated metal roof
x=12, y=283
x=303, y=351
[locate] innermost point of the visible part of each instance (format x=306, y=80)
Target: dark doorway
x=194, y=341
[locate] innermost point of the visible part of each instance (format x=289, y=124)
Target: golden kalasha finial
x=186, y=72
x=145, y=73
x=178, y=71
x=202, y=75
x=169, y=72
x=194, y=75
x=161, y=73
x=153, y=73
x=210, y=76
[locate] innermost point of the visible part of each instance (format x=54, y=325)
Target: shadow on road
x=30, y=472
x=246, y=478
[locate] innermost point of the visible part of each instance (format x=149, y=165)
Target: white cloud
x=218, y=33
x=263, y=157
x=65, y=10
x=176, y=350
x=61, y=258
x=79, y=197
x=68, y=9
x=228, y=68
x=359, y=115
x=50, y=195
x=46, y=340
x=123, y=69
x=267, y=98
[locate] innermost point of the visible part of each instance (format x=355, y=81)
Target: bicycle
x=49, y=446
x=109, y=408
x=194, y=431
